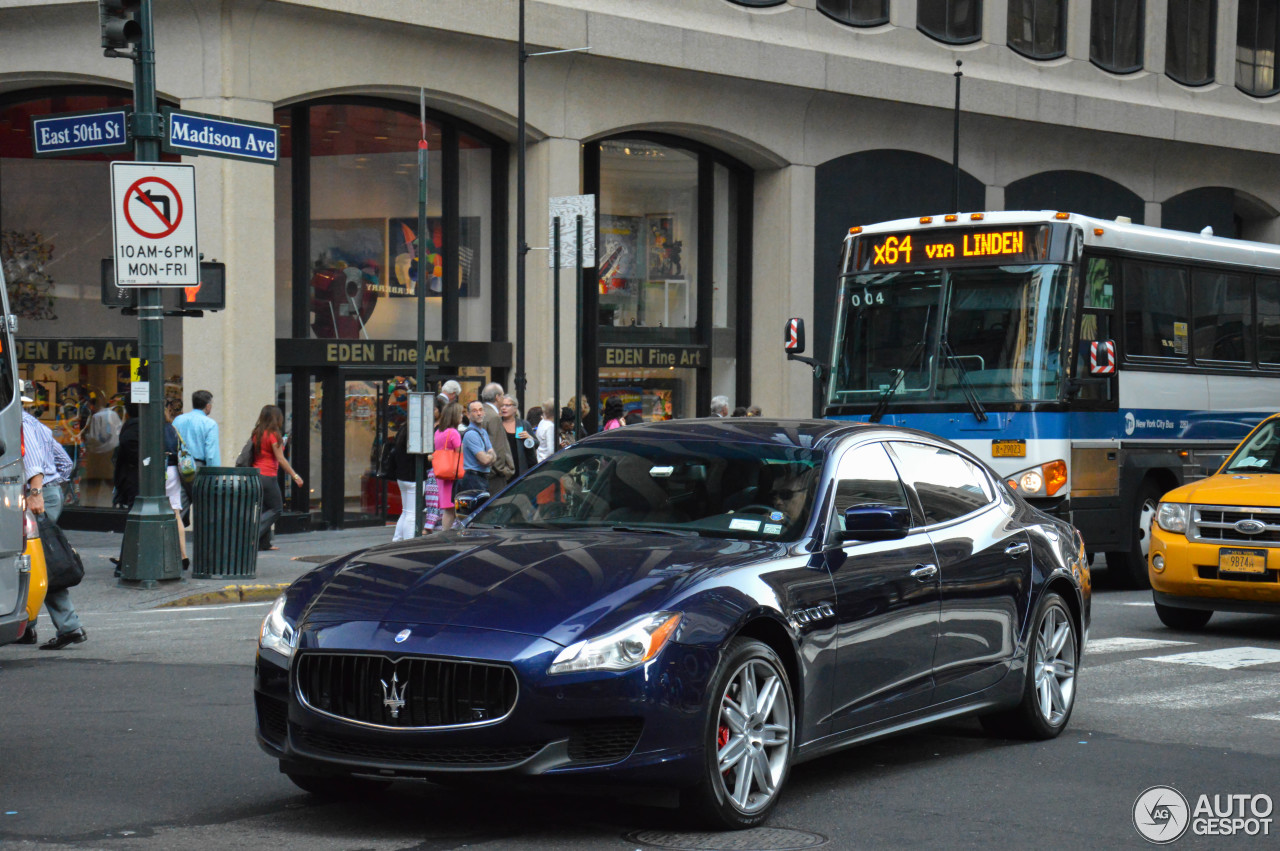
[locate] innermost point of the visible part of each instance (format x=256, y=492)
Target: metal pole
x=419, y=465
x=149, y=551
x=577, y=271
x=522, y=247
x=555, y=327
x=955, y=146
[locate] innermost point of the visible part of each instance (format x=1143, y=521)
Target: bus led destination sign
x=951, y=247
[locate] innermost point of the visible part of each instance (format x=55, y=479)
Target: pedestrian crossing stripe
x=1259, y=690
x=1127, y=645
x=1226, y=659
x=1275, y=716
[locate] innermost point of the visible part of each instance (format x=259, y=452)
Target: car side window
x=949, y=485
x=866, y=476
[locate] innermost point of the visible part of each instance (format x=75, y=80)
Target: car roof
x=805, y=434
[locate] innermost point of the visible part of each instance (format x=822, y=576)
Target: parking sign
x=153, y=223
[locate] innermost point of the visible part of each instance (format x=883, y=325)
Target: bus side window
x=1099, y=283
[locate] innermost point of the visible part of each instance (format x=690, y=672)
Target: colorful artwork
x=401, y=236
x=662, y=248
x=345, y=275
x=619, y=261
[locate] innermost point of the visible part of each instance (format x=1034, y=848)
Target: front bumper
x=1190, y=578
x=641, y=727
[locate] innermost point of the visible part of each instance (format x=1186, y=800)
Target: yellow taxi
x=1215, y=543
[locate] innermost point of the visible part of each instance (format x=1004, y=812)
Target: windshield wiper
x=658, y=530
x=882, y=406
x=966, y=386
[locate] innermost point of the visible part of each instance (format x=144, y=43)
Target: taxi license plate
x=1242, y=561
x=1008, y=449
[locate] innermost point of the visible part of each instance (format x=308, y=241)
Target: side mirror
x=466, y=503
x=876, y=523
x=793, y=336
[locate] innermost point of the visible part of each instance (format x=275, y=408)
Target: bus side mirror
x=793, y=336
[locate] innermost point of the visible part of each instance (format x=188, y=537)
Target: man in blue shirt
x=199, y=433
x=477, y=451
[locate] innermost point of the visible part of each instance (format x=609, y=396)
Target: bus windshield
x=922, y=334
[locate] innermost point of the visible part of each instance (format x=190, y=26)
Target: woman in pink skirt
x=447, y=437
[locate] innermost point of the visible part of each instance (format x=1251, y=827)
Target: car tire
x=336, y=787
x=754, y=740
x=1049, y=690
x=1177, y=618
x=1129, y=569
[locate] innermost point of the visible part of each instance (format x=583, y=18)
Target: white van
x=15, y=570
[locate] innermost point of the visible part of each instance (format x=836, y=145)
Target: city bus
x=1095, y=364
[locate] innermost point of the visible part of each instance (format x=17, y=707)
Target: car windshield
x=1260, y=453
x=756, y=491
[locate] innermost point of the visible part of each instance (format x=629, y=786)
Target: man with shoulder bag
x=46, y=466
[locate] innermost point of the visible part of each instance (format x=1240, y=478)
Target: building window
x=671, y=301
x=1257, y=35
x=952, y=21
x=1189, y=42
x=859, y=13
x=1115, y=36
x=361, y=201
x=1038, y=28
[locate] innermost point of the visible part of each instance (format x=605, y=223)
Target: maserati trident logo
x=1249, y=526
x=403, y=635
x=393, y=698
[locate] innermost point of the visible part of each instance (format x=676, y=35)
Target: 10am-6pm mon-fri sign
x=153, y=224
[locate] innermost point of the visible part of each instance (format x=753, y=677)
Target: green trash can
x=226, y=503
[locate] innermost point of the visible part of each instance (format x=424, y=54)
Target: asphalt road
x=142, y=739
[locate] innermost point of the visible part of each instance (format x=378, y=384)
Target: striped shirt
x=42, y=454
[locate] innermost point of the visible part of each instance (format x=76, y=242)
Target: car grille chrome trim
x=1216, y=524
x=439, y=694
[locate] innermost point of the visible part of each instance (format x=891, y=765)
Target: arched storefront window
x=1257, y=39
x=1038, y=28
x=1192, y=31
x=346, y=271
x=952, y=21
x=671, y=288
x=858, y=13
x=56, y=244
x=1115, y=35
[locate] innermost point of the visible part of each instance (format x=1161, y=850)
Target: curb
x=229, y=594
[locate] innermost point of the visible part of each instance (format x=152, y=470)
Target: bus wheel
x=1129, y=569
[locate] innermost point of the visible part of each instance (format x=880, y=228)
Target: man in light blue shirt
x=199, y=431
x=477, y=451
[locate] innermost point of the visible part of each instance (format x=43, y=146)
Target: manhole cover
x=756, y=839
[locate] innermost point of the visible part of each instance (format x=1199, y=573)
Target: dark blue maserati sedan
x=691, y=607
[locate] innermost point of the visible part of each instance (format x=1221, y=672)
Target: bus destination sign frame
x=933, y=249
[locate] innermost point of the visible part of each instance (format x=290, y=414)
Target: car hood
x=555, y=584
x=1245, y=489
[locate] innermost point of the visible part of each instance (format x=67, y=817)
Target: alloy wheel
x=1055, y=666
x=753, y=735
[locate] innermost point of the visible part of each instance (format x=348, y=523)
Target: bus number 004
x=867, y=298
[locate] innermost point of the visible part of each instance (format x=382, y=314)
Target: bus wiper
x=882, y=406
x=966, y=386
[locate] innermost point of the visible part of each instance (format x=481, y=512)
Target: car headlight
x=277, y=633
x=1172, y=516
x=626, y=647
x=1043, y=480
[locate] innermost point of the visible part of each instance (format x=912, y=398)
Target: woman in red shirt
x=268, y=458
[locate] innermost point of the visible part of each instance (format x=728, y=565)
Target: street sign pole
x=149, y=552
x=419, y=460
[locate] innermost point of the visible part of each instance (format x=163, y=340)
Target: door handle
x=1017, y=549
x=925, y=571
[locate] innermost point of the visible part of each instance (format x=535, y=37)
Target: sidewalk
x=102, y=592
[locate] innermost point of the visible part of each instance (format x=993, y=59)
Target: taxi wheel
x=334, y=787
x=1129, y=569
x=1176, y=618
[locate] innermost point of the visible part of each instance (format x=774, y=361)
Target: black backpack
x=61, y=561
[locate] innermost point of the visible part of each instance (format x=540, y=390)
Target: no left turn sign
x=154, y=225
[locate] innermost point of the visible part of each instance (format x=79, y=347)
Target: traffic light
x=120, y=25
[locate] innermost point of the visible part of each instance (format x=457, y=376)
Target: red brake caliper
x=722, y=739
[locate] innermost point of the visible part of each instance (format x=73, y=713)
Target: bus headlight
x=1044, y=480
x=1172, y=516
